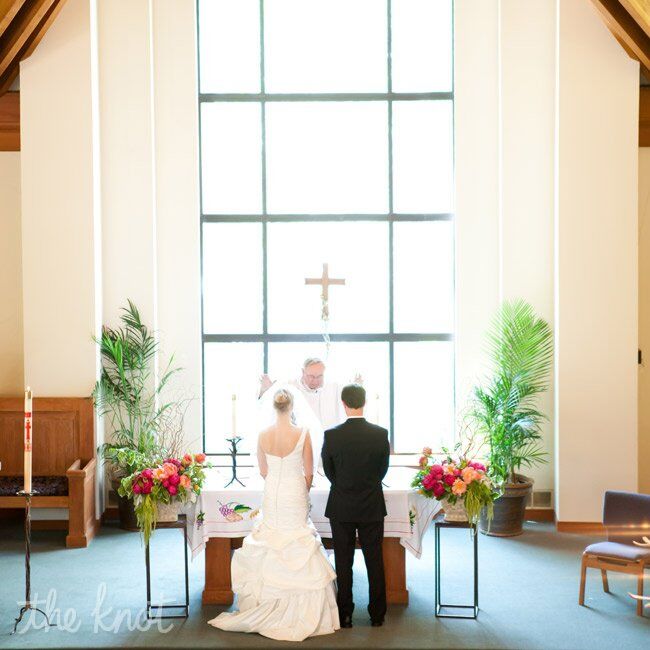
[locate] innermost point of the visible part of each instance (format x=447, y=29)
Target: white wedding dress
x=281, y=576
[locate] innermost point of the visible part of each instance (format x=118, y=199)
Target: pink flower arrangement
x=172, y=480
x=451, y=479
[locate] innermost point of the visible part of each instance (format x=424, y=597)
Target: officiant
x=323, y=397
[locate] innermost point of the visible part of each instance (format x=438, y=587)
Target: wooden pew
x=64, y=447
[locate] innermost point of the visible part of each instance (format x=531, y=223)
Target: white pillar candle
x=234, y=415
x=378, y=407
x=29, y=436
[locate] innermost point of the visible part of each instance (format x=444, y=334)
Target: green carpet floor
x=528, y=597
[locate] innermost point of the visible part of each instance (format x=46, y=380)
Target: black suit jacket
x=355, y=459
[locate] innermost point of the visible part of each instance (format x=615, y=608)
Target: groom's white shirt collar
x=356, y=417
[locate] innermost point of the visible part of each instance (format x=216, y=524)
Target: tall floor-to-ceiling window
x=327, y=155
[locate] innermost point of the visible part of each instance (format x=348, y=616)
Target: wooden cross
x=325, y=281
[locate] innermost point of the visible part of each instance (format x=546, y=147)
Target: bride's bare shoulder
x=265, y=433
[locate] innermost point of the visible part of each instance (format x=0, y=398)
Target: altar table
x=222, y=517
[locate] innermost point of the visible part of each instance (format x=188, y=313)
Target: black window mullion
x=290, y=218
x=391, y=286
x=265, y=261
x=323, y=97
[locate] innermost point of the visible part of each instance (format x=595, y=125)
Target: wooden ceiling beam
x=634, y=38
x=30, y=41
x=640, y=11
x=10, y=122
x=21, y=31
x=8, y=11
x=644, y=116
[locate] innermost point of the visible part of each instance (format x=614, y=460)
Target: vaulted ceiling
x=629, y=22
x=23, y=23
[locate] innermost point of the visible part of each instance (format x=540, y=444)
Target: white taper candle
x=234, y=415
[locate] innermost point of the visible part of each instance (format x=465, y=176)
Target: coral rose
x=427, y=451
x=185, y=481
x=169, y=469
x=459, y=487
x=469, y=474
x=199, y=458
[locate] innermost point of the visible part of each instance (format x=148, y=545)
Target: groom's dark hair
x=354, y=396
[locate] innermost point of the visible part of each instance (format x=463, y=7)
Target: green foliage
x=128, y=395
x=520, y=346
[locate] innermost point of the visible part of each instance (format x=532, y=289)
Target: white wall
x=61, y=238
x=644, y=319
x=178, y=284
x=11, y=304
x=510, y=234
x=58, y=226
x=149, y=136
x=504, y=177
x=128, y=211
x=596, y=265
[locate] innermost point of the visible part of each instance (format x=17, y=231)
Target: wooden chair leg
x=639, y=589
x=583, y=579
x=603, y=573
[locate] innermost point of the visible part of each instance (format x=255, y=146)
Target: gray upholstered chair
x=626, y=517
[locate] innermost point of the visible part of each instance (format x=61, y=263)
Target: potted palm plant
x=129, y=396
x=504, y=409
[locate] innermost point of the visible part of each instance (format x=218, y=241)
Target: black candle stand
x=234, y=441
x=28, y=542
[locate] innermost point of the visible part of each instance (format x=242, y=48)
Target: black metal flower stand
x=441, y=607
x=28, y=540
x=234, y=441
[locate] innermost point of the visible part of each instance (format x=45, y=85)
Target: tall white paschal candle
x=29, y=436
x=234, y=415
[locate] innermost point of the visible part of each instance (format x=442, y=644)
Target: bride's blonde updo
x=283, y=400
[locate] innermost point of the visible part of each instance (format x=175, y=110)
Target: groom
x=355, y=459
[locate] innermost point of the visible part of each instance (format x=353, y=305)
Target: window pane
x=232, y=278
x=422, y=45
x=423, y=276
x=229, y=46
x=422, y=156
x=231, y=148
x=325, y=46
x=327, y=157
x=231, y=369
x=424, y=395
x=344, y=362
x=354, y=251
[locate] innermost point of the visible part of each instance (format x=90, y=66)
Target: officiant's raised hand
x=265, y=383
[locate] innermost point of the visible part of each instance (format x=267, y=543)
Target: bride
x=283, y=581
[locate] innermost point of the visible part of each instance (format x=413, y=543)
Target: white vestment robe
x=325, y=402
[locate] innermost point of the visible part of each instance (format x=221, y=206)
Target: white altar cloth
x=233, y=511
